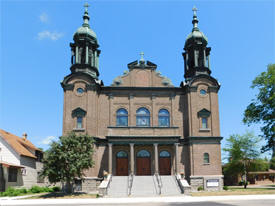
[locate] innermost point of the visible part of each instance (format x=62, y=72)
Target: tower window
x=80, y=90
x=206, y=158
x=204, y=123
x=79, y=123
x=143, y=117
x=122, y=117
x=164, y=118
x=202, y=92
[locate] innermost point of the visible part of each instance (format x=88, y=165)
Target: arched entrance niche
x=143, y=162
x=164, y=163
x=122, y=163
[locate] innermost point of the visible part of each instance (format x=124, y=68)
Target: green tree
x=242, y=153
x=262, y=109
x=272, y=163
x=67, y=158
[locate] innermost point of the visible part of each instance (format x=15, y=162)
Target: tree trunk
x=69, y=187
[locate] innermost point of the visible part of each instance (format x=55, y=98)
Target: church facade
x=142, y=123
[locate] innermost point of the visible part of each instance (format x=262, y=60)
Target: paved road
x=208, y=203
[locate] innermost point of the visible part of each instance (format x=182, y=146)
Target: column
x=195, y=58
x=176, y=157
x=208, y=61
x=204, y=58
x=110, y=157
x=187, y=66
x=76, y=55
x=132, y=154
x=156, y=158
x=87, y=55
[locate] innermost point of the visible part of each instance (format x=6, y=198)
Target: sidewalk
x=97, y=201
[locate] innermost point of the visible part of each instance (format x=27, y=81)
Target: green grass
x=61, y=195
x=11, y=191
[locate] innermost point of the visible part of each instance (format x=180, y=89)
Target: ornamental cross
x=194, y=11
x=86, y=5
x=141, y=56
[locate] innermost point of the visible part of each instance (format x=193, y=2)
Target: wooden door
x=122, y=166
x=165, y=166
x=143, y=166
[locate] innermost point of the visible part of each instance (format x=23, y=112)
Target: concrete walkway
x=132, y=200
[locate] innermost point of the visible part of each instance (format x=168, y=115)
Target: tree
x=242, y=153
x=272, y=163
x=262, y=109
x=67, y=158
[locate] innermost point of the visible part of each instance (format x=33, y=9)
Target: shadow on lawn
x=66, y=195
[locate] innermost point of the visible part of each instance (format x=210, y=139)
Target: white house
x=20, y=161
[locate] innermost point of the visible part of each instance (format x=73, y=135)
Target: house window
x=122, y=117
x=79, y=123
x=164, y=118
x=143, y=117
x=12, y=174
x=40, y=178
x=204, y=123
x=206, y=158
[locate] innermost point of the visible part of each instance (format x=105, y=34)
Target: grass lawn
x=237, y=191
x=60, y=195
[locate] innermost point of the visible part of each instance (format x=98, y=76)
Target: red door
x=122, y=166
x=165, y=166
x=143, y=166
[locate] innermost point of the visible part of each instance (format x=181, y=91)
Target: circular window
x=80, y=91
x=203, y=92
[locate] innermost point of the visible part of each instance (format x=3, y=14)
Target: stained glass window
x=143, y=153
x=79, y=123
x=122, y=117
x=143, y=117
x=122, y=154
x=164, y=153
x=204, y=122
x=206, y=158
x=164, y=118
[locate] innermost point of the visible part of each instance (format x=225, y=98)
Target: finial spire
x=86, y=17
x=195, y=19
x=141, y=57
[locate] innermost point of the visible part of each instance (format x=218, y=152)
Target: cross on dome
x=141, y=56
x=86, y=5
x=194, y=11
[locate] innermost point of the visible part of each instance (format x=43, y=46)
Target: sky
x=35, y=53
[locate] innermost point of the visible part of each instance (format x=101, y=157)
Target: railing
x=130, y=184
x=159, y=181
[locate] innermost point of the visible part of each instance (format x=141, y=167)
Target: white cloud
x=48, y=140
x=44, y=17
x=49, y=35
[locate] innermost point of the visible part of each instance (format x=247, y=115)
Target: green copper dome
x=196, y=36
x=85, y=29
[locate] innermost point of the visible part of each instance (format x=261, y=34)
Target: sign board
x=212, y=183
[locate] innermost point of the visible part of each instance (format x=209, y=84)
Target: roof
x=20, y=145
x=6, y=164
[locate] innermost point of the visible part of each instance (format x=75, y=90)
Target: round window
x=80, y=91
x=202, y=92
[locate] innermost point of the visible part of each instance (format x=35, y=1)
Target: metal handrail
x=159, y=180
x=130, y=183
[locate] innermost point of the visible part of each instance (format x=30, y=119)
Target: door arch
x=143, y=161
x=122, y=163
x=164, y=163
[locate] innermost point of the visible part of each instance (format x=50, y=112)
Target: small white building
x=20, y=162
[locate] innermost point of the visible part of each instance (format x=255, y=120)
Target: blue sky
x=35, y=52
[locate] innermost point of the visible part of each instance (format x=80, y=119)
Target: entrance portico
x=143, y=155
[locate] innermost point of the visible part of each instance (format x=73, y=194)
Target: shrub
x=23, y=190
x=56, y=189
x=225, y=187
x=36, y=189
x=200, y=188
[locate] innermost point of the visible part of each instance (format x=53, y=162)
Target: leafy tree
x=262, y=109
x=242, y=153
x=272, y=163
x=67, y=158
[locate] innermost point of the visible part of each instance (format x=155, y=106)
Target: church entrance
x=143, y=162
x=122, y=164
x=164, y=163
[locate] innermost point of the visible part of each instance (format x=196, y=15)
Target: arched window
x=164, y=118
x=122, y=117
x=122, y=154
x=206, y=158
x=143, y=117
x=164, y=153
x=143, y=153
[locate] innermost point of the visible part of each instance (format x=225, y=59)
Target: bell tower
x=85, y=52
x=197, y=54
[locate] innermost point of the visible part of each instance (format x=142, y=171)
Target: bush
x=56, y=189
x=241, y=183
x=225, y=187
x=200, y=188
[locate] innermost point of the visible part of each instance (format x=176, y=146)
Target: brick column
x=132, y=156
x=176, y=157
x=156, y=158
x=110, y=157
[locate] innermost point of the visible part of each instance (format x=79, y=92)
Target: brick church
x=143, y=124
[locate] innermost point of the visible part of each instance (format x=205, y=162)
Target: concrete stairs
x=169, y=186
x=143, y=186
x=118, y=187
